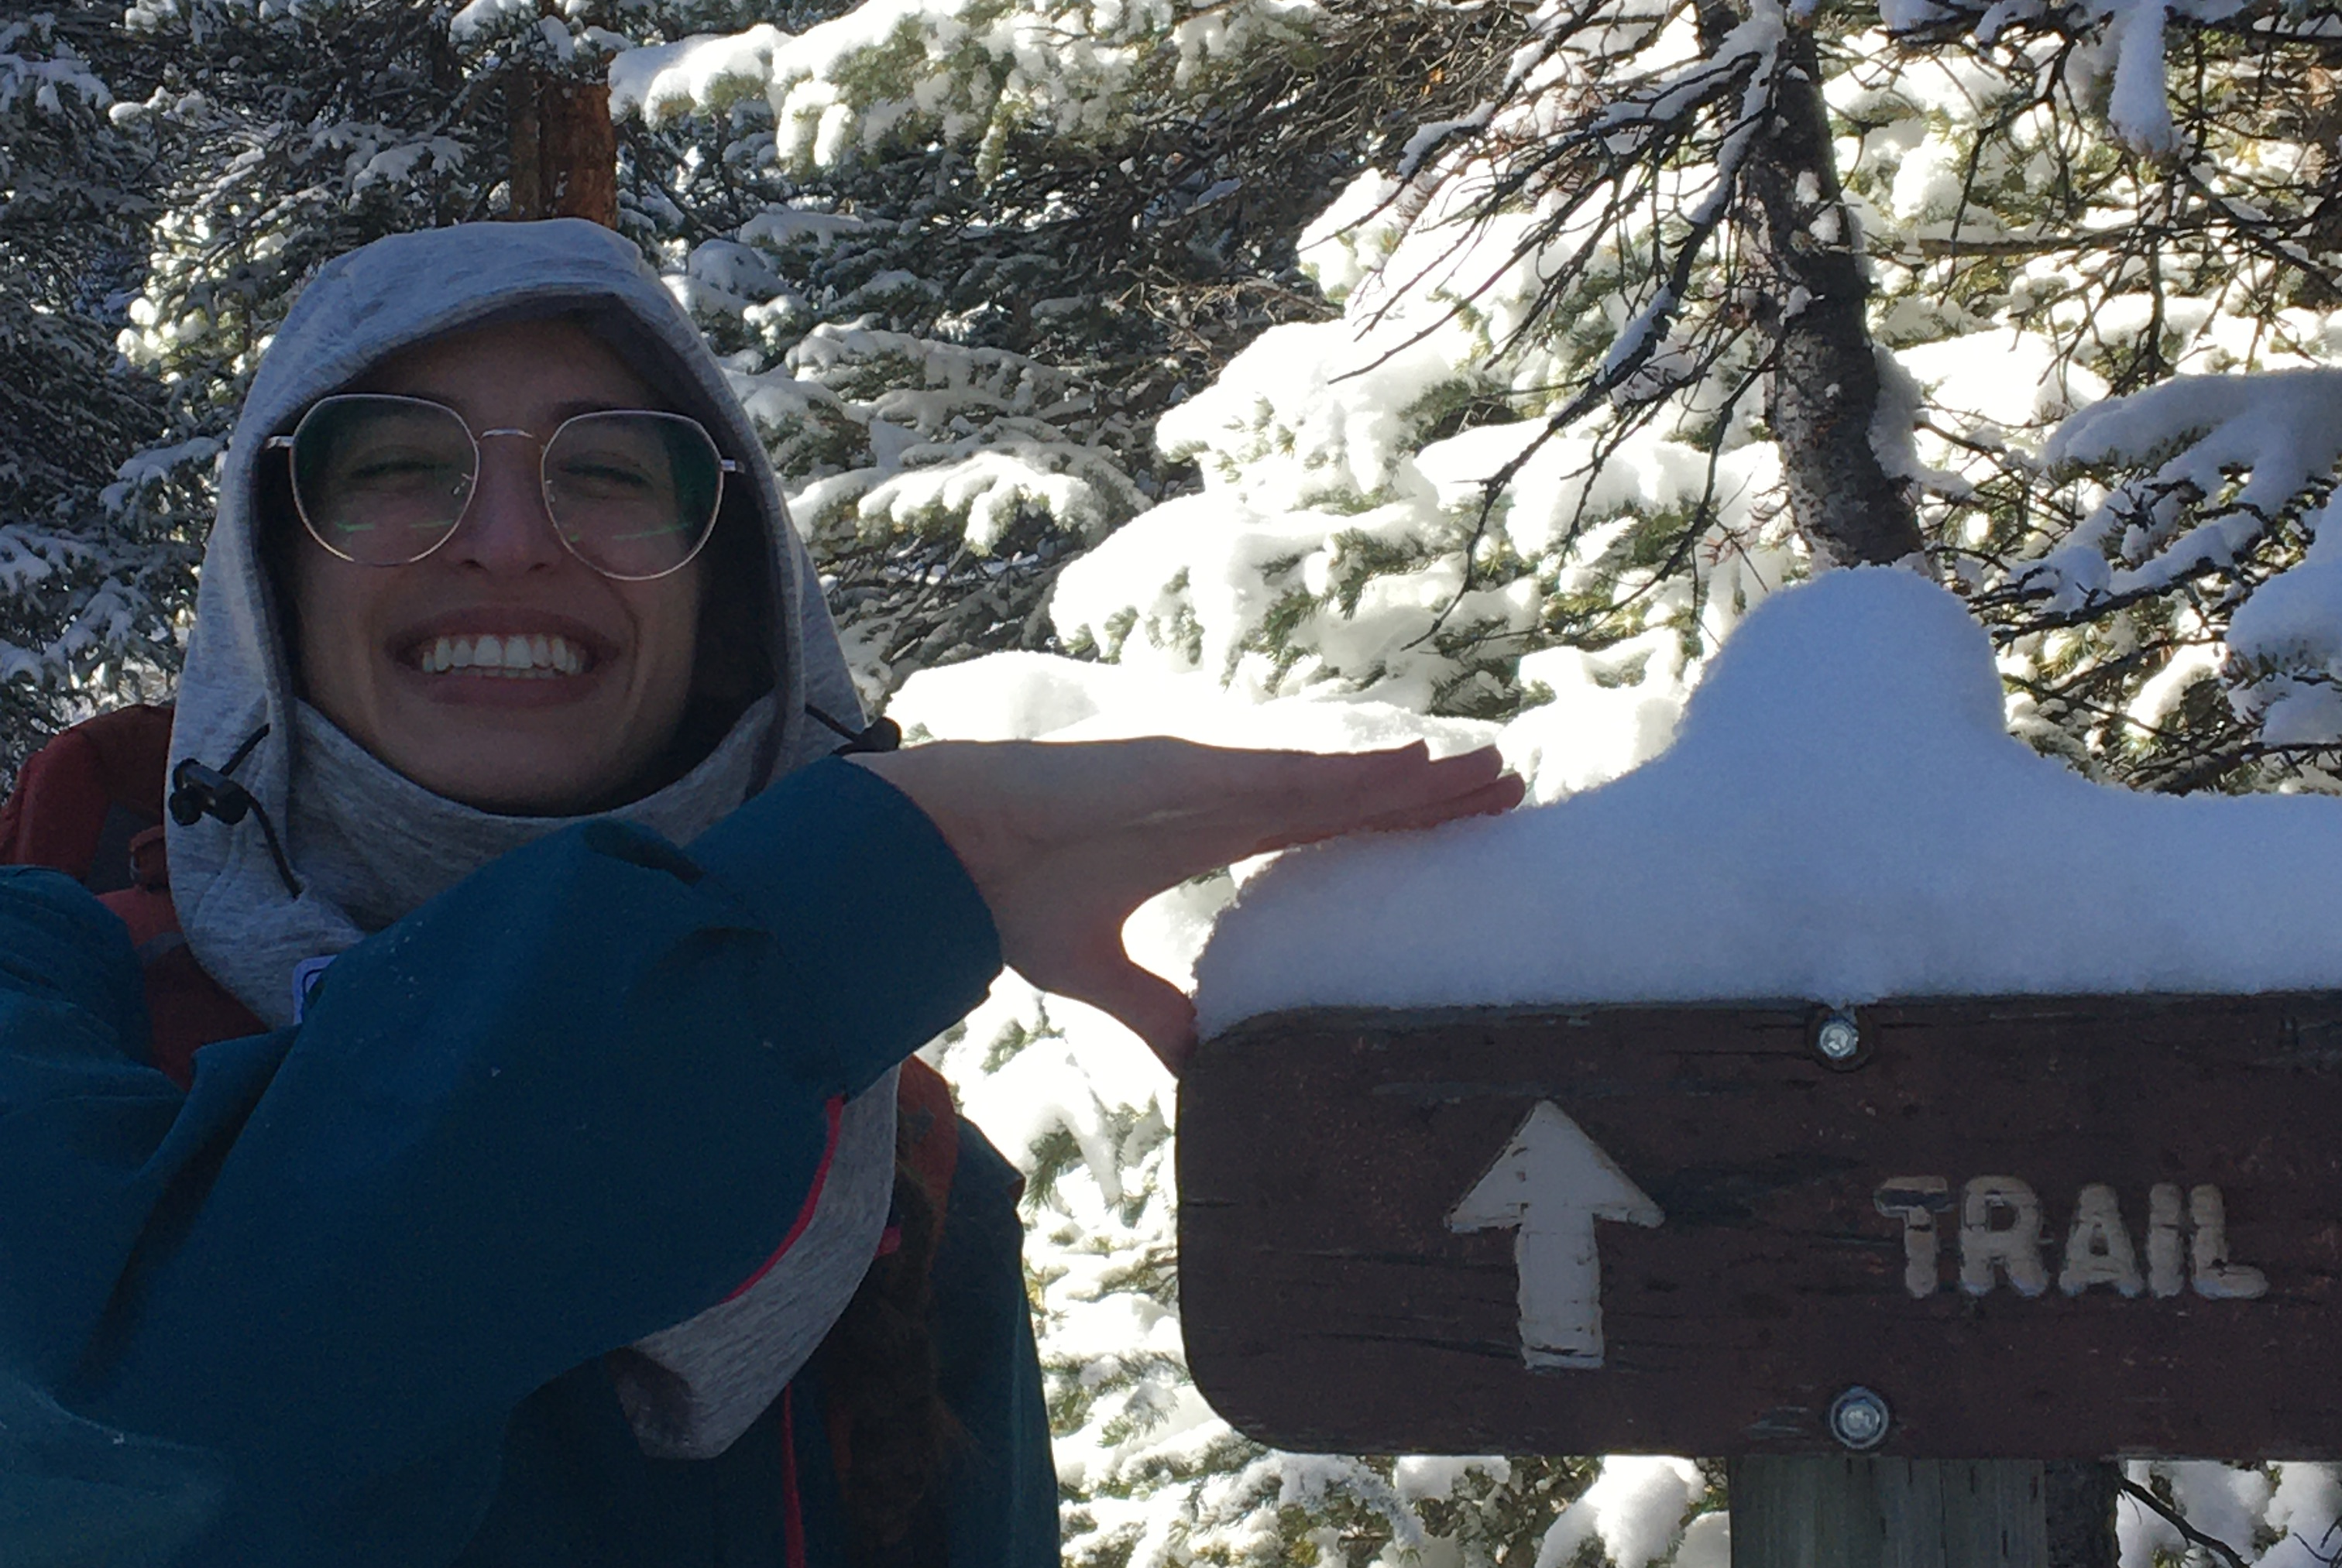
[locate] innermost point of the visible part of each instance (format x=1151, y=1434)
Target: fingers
x=1498, y=796
x=1064, y=840
x=1150, y=1006
x=1396, y=790
x=1323, y=796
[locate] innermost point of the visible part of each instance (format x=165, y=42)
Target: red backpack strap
x=927, y=1136
x=926, y=1148
x=83, y=797
x=186, y=1009
x=90, y=804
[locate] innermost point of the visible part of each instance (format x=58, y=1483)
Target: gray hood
x=367, y=845
x=249, y=933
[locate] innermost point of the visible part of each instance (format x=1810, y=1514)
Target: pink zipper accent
x=836, y=1112
x=793, y=1512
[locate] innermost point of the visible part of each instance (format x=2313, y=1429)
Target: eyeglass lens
x=385, y=480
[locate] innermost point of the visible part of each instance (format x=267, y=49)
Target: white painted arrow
x=1551, y=1183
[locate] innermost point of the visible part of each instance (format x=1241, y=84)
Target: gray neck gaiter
x=372, y=846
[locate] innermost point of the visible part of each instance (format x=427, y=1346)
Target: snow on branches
x=2236, y=453
x=2132, y=35
x=971, y=71
x=85, y=597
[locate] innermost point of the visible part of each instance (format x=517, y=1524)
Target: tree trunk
x=1823, y=396
x=2078, y=1497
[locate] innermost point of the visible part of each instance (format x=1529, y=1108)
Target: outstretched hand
x=1065, y=840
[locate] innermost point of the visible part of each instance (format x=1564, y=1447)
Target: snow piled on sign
x=1842, y=817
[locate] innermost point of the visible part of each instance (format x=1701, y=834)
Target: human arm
x=1066, y=840
x=575, y=1100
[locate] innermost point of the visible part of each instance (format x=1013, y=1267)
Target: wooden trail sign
x=2038, y=1227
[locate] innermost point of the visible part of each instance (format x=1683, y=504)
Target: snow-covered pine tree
x=967, y=254
x=2100, y=202
x=86, y=599
x=1604, y=268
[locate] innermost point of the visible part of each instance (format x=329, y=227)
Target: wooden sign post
x=2037, y=1228
x=564, y=148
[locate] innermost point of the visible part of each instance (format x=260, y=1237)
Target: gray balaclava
x=367, y=846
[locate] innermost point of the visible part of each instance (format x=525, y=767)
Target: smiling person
x=534, y=1173
x=502, y=674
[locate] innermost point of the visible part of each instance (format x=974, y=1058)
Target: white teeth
x=536, y=655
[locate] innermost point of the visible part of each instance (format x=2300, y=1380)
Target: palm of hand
x=1065, y=841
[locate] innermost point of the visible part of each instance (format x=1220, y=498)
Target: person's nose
x=506, y=527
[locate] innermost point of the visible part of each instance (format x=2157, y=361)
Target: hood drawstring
x=879, y=736
x=198, y=791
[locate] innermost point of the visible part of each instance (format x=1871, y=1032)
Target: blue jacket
x=345, y=1299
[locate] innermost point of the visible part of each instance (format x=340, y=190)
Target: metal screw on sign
x=1858, y=1419
x=1837, y=1039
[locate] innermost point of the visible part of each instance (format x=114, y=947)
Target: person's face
x=619, y=655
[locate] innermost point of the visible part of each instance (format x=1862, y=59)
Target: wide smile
x=508, y=656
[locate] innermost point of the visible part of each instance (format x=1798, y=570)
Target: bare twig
x=2218, y=1548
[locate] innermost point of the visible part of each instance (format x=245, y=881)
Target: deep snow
x=1842, y=817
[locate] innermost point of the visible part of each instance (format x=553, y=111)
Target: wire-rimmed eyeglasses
x=384, y=481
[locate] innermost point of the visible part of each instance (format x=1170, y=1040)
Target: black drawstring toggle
x=878, y=735
x=198, y=791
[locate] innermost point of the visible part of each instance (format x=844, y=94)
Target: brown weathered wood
x=527, y=193
x=1327, y=1306
x=564, y=149
x=1851, y=1512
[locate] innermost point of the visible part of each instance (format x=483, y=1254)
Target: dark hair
x=890, y=1431
x=731, y=663
x=276, y=524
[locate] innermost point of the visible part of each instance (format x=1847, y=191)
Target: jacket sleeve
x=579, y=1097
